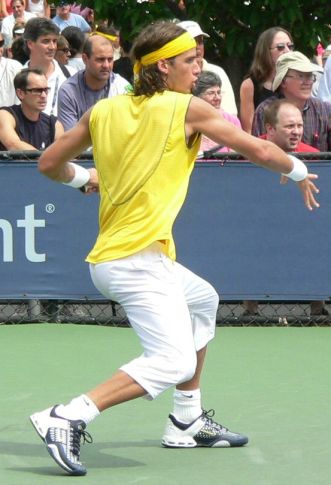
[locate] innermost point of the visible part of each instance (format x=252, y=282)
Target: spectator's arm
x=4, y=8
x=247, y=104
x=258, y=121
x=47, y=9
x=8, y=136
x=59, y=130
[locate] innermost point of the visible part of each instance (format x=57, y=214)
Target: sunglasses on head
x=282, y=45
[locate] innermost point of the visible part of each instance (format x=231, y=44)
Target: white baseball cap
x=192, y=28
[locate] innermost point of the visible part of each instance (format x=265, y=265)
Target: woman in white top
x=38, y=7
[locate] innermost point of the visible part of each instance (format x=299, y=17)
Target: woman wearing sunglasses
x=63, y=53
x=257, y=86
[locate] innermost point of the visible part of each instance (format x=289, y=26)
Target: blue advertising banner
x=239, y=228
x=46, y=230
x=253, y=238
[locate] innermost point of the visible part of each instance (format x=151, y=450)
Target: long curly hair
x=150, y=80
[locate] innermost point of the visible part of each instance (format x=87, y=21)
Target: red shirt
x=302, y=147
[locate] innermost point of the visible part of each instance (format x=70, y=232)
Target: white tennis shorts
x=172, y=310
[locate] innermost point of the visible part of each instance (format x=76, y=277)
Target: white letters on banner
x=29, y=224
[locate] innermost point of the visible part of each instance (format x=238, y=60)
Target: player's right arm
x=53, y=163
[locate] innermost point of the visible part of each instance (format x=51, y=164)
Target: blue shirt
x=74, y=20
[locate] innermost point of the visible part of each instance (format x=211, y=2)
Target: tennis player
x=144, y=146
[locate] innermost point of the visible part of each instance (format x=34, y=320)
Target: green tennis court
x=272, y=384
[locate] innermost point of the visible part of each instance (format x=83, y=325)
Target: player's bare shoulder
x=199, y=112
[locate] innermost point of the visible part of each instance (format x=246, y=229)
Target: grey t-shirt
x=75, y=97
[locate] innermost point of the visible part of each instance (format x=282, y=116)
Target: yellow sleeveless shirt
x=144, y=166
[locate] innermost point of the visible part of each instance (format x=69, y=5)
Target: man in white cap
x=228, y=99
x=294, y=79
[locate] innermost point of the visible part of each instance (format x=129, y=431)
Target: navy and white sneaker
x=202, y=432
x=62, y=438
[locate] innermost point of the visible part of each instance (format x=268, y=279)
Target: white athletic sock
x=187, y=405
x=81, y=407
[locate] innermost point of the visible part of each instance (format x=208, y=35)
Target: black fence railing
x=110, y=313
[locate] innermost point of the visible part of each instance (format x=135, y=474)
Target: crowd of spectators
x=60, y=45
x=55, y=65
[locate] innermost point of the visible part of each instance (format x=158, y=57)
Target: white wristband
x=299, y=171
x=81, y=177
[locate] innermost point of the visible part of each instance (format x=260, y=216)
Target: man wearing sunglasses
x=8, y=70
x=294, y=79
x=25, y=126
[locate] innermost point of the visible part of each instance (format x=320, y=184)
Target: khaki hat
x=292, y=60
x=192, y=28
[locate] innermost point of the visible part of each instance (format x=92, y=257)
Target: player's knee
x=186, y=366
x=208, y=304
x=215, y=300
x=213, y=297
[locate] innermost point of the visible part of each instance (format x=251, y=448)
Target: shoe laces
x=207, y=417
x=78, y=435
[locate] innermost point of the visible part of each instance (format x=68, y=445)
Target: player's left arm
x=203, y=118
